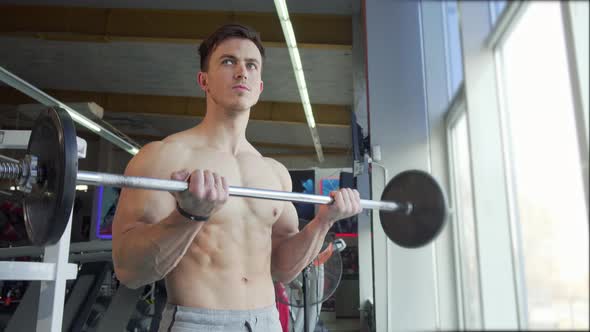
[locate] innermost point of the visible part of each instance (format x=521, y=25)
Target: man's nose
x=241, y=72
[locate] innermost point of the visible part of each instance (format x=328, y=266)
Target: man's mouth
x=241, y=87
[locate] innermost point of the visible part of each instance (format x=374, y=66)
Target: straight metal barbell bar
x=115, y=180
x=14, y=171
x=412, y=210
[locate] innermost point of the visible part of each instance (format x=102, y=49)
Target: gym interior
x=487, y=99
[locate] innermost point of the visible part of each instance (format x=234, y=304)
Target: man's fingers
x=225, y=187
x=348, y=199
x=221, y=195
x=210, y=190
x=181, y=175
x=357, y=201
x=339, y=200
x=197, y=184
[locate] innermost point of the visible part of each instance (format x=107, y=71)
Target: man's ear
x=261, y=86
x=202, y=80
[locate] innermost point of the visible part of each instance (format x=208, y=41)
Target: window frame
x=449, y=58
x=482, y=86
x=575, y=32
x=509, y=169
x=457, y=109
x=507, y=22
x=493, y=234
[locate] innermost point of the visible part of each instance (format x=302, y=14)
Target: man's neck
x=225, y=129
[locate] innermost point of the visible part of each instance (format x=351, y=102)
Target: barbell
x=412, y=210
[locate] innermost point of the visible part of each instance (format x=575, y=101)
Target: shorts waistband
x=233, y=315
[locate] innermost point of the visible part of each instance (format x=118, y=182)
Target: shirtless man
x=218, y=254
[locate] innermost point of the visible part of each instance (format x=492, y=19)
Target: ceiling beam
x=176, y=26
x=338, y=115
x=278, y=149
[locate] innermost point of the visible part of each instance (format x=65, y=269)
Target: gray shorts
x=177, y=318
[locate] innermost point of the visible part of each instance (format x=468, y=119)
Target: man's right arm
x=150, y=236
x=145, y=252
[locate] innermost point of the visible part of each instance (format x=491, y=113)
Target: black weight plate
x=428, y=214
x=47, y=207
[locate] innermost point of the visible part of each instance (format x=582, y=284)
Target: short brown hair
x=225, y=32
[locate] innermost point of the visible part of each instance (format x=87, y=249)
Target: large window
x=496, y=9
x=463, y=216
x=452, y=46
x=545, y=175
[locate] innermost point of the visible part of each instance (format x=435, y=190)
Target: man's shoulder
x=156, y=150
x=155, y=157
x=281, y=171
x=275, y=164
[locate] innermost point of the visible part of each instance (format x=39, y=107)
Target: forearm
x=147, y=252
x=295, y=253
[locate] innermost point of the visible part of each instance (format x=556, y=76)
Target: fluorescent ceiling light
x=300, y=78
x=45, y=99
x=81, y=187
x=282, y=11
x=82, y=120
x=295, y=59
x=309, y=115
x=289, y=34
x=304, y=98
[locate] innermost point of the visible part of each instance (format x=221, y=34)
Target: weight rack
x=55, y=269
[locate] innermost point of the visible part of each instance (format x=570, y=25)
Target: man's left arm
x=293, y=250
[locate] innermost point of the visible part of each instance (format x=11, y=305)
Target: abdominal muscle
x=226, y=267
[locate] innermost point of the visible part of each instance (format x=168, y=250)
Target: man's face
x=233, y=80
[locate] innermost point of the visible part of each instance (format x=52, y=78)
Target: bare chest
x=249, y=171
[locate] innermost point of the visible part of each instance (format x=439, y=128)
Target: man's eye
x=228, y=62
x=252, y=65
